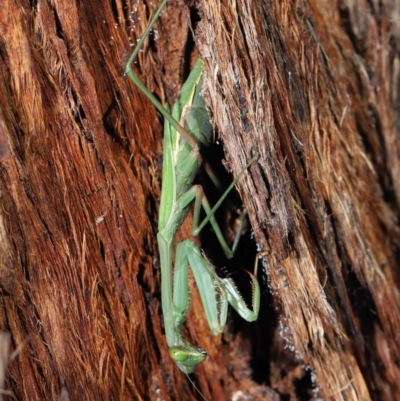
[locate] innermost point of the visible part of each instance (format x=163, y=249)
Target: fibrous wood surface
x=312, y=86
x=315, y=87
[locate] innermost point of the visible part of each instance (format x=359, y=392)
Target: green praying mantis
x=181, y=162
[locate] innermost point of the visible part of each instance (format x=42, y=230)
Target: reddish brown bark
x=313, y=87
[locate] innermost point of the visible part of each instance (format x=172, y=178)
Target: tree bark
x=313, y=88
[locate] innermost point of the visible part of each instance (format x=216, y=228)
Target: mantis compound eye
x=187, y=357
x=187, y=353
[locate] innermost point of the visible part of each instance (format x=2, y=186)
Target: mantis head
x=187, y=357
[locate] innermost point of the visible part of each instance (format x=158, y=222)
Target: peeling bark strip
x=312, y=85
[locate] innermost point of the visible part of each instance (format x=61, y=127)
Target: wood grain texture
x=312, y=86
x=79, y=182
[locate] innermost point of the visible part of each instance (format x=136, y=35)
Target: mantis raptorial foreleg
x=180, y=166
